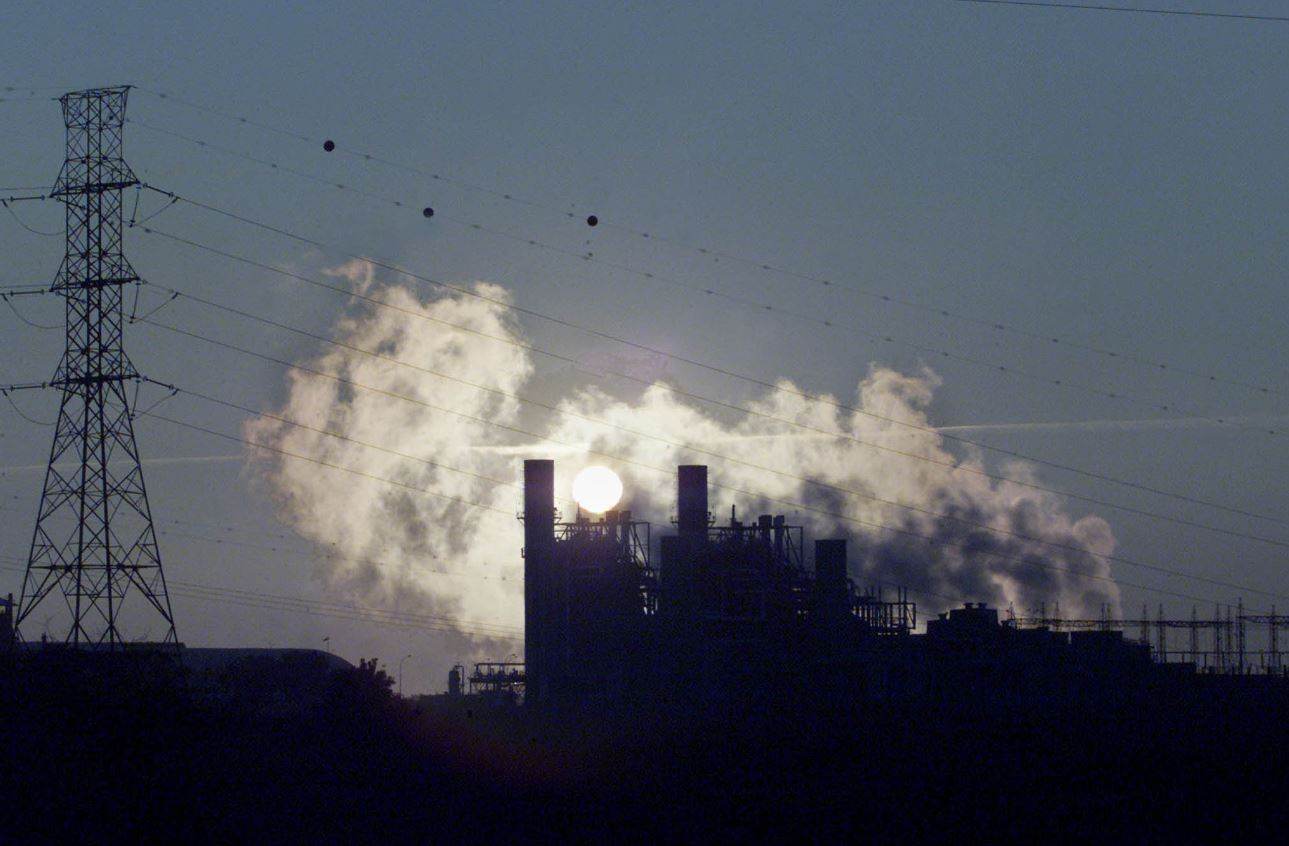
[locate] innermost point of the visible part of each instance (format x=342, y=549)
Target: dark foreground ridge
x=276, y=747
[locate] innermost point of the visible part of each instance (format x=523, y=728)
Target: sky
x=1110, y=179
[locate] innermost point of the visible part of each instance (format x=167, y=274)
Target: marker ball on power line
x=592, y=220
x=328, y=145
x=427, y=211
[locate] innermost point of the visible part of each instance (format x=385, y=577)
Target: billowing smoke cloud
x=435, y=398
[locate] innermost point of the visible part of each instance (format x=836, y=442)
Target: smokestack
x=539, y=547
x=684, y=555
x=691, y=500
x=830, y=580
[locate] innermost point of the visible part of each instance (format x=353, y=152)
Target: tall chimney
x=691, y=500
x=830, y=580
x=539, y=547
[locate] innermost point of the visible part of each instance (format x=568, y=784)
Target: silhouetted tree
x=363, y=689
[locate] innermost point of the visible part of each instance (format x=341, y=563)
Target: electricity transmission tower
x=94, y=543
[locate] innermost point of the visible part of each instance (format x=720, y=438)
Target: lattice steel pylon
x=94, y=543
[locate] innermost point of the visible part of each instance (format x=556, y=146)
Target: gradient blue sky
x=1117, y=179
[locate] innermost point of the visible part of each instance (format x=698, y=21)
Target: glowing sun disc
x=597, y=489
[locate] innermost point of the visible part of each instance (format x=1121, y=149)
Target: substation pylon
x=94, y=546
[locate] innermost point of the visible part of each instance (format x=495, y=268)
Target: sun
x=597, y=489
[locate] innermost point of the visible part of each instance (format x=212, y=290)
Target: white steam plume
x=442, y=555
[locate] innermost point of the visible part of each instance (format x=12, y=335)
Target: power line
x=838, y=488
x=1138, y=10
x=947, y=464
x=929, y=540
x=32, y=420
x=335, y=610
x=698, y=397
x=573, y=325
x=322, y=609
x=289, y=454
x=758, y=306
x=831, y=283
x=329, y=556
x=562, y=411
x=218, y=527
x=330, y=433
x=310, y=555
x=9, y=208
x=668, y=472
x=242, y=531
x=599, y=333
x=925, y=593
x=387, y=613
x=7, y=298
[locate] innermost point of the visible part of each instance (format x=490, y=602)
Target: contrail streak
x=1019, y=426
x=1110, y=425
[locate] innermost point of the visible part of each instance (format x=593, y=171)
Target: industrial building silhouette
x=732, y=610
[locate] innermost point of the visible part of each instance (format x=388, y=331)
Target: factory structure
x=732, y=609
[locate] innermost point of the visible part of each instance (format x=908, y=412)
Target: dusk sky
x=1112, y=180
